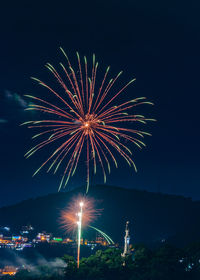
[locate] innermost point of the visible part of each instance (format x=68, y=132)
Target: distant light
x=57, y=239
x=81, y=204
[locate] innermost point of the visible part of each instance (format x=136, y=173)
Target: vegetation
x=163, y=263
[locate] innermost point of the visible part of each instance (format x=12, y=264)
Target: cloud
x=3, y=121
x=16, y=98
x=12, y=107
x=34, y=265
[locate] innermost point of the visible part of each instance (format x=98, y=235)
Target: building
x=8, y=270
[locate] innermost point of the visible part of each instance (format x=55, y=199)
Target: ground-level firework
x=86, y=119
x=68, y=219
x=78, y=215
x=79, y=223
x=73, y=217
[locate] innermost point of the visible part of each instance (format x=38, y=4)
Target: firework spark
x=88, y=120
x=69, y=216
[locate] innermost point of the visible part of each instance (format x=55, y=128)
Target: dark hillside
x=153, y=216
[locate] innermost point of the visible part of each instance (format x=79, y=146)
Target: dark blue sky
x=157, y=42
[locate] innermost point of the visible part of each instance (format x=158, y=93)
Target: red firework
x=88, y=119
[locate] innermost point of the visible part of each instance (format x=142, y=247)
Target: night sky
x=158, y=42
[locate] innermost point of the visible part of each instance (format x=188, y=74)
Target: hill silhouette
x=154, y=217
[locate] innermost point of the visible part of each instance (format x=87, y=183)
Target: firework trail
x=79, y=223
x=106, y=237
x=89, y=121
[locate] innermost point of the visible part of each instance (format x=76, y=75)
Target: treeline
x=163, y=263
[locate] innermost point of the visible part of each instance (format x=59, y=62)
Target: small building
x=8, y=270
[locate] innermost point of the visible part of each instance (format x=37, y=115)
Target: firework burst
x=88, y=120
x=69, y=216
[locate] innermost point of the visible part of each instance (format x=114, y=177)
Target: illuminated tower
x=126, y=241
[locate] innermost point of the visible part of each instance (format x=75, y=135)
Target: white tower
x=126, y=241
